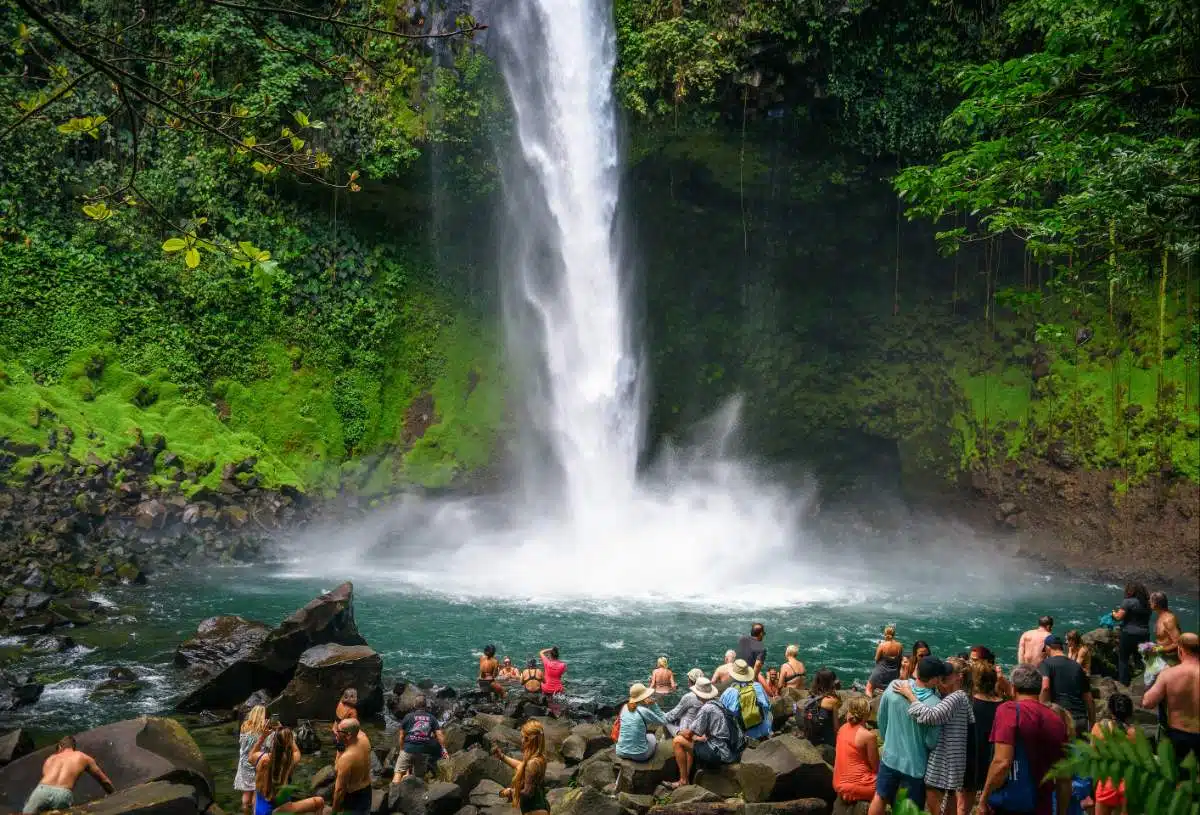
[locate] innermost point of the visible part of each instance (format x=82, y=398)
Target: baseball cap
x=1052, y=641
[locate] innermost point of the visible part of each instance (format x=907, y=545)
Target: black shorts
x=1185, y=743
x=357, y=802
x=705, y=754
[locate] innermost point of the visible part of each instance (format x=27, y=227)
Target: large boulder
x=17, y=691
x=131, y=753
x=733, y=807
x=798, y=767
x=468, y=768
x=598, y=771
x=155, y=798
x=586, y=801
x=219, y=642
x=13, y=745
x=800, y=806
x=322, y=674
x=584, y=742
x=643, y=777
x=329, y=619
x=752, y=782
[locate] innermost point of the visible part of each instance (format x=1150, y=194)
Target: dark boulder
x=17, y=691
x=801, y=806
x=13, y=745
x=322, y=674
x=329, y=619
x=587, y=801
x=1103, y=643
x=468, y=768
x=131, y=753
x=219, y=641
x=799, y=769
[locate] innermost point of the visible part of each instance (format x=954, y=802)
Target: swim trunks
x=1185, y=743
x=45, y=797
x=358, y=802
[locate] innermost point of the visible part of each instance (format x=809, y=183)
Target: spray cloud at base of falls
x=580, y=519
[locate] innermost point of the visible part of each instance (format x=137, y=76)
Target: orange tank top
x=851, y=769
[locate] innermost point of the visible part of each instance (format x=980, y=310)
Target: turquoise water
x=607, y=645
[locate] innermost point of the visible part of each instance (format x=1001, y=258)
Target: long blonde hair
x=533, y=759
x=662, y=662
x=256, y=720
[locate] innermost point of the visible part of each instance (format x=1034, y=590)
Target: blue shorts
x=888, y=783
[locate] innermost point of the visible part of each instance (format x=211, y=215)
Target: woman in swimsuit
x=273, y=772
x=1078, y=651
x=920, y=650
x=887, y=662
x=528, y=790
x=791, y=672
x=489, y=670
x=662, y=678
x=531, y=677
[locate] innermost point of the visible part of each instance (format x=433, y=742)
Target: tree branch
x=59, y=94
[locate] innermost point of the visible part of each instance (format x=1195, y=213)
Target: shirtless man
x=59, y=774
x=508, y=671
x=352, y=786
x=1029, y=649
x=489, y=670
x=720, y=676
x=1166, y=628
x=347, y=708
x=1179, y=685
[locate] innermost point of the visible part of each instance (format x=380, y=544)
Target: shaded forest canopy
x=253, y=219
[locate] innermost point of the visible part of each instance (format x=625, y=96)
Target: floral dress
x=243, y=781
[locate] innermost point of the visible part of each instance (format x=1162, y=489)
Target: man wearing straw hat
x=709, y=740
x=748, y=700
x=680, y=717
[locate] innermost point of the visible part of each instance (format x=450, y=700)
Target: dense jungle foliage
x=255, y=230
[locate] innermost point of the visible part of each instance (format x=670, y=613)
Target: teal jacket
x=906, y=744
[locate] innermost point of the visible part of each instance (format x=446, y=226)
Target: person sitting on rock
x=528, y=790
x=748, y=700
x=819, y=712
x=680, y=717
x=508, y=671
x=420, y=738
x=489, y=672
x=709, y=740
x=888, y=654
x=273, y=768
x=352, y=783
x=792, y=671
x=662, y=678
x=856, y=762
x=531, y=677
x=720, y=676
x=634, y=741
x=347, y=708
x=59, y=773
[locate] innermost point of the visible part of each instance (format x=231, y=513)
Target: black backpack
x=815, y=720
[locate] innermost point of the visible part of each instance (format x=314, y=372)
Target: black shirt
x=1137, y=617
x=1068, y=684
x=752, y=651
x=419, y=728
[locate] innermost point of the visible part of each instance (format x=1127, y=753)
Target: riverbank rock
x=322, y=674
x=1103, y=642
x=468, y=768
x=18, y=690
x=13, y=745
x=155, y=798
x=586, y=801
x=132, y=753
x=798, y=768
x=272, y=662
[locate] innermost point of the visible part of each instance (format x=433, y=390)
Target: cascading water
x=699, y=527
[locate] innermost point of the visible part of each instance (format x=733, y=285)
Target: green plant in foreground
x=1155, y=783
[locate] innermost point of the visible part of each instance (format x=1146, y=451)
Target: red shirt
x=554, y=670
x=1044, y=736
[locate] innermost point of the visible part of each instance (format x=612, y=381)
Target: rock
x=461, y=736
x=328, y=619
x=639, y=804
x=323, y=673
x=486, y=794
x=407, y=797
x=841, y=807
x=1103, y=642
x=322, y=779
x=574, y=749
x=306, y=737
x=133, y=752
x=642, y=777
x=17, y=691
x=150, y=514
x=803, y=806
x=13, y=745
x=218, y=641
x=379, y=802
x=691, y=794
x=752, y=782
x=799, y=769
x=598, y=771
x=155, y=798
x=116, y=687
x=442, y=798
x=710, y=808
x=260, y=697
x=468, y=768
x=557, y=774
x=586, y=801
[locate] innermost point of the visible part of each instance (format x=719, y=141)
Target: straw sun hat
x=741, y=672
x=639, y=693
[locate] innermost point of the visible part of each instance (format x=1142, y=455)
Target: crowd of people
x=957, y=734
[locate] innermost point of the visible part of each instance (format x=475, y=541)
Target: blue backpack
x=1019, y=793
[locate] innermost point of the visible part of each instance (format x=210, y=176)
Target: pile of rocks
x=298, y=669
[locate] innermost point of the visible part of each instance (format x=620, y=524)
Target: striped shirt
x=948, y=761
